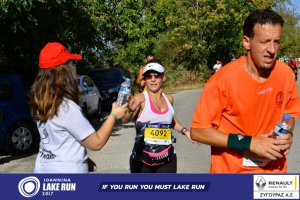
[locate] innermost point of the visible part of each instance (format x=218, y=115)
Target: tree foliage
x=183, y=34
x=290, y=38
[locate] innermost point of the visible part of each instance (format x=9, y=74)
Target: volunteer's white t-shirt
x=60, y=148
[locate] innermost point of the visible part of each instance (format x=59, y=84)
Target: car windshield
x=109, y=76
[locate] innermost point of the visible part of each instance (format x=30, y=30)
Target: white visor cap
x=154, y=67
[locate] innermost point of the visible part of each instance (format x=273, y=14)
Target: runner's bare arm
x=209, y=136
x=182, y=129
x=261, y=145
x=177, y=125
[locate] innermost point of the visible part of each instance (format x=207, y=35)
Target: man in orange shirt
x=241, y=104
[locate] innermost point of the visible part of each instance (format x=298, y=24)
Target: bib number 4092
x=158, y=136
x=162, y=133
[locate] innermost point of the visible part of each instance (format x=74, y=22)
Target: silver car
x=90, y=100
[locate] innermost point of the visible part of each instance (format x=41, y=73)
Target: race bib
x=251, y=160
x=158, y=136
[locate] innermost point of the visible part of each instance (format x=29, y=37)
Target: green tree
x=204, y=31
x=134, y=26
x=290, y=36
x=183, y=34
x=27, y=25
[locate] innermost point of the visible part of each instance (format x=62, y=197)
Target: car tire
x=22, y=138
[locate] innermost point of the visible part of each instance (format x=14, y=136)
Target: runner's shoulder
x=139, y=96
x=170, y=98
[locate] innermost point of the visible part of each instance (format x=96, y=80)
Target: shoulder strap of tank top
x=147, y=105
x=167, y=100
x=147, y=100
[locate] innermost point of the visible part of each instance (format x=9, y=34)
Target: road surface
x=114, y=156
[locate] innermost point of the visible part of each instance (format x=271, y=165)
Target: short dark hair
x=266, y=16
x=149, y=54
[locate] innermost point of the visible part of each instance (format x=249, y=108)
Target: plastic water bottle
x=124, y=92
x=283, y=126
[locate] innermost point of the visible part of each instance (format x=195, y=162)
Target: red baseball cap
x=54, y=54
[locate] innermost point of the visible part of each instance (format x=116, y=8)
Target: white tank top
x=151, y=115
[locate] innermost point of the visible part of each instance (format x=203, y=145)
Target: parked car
x=91, y=100
x=108, y=82
x=18, y=131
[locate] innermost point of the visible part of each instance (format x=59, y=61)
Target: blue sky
x=297, y=3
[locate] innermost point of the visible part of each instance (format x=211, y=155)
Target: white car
x=91, y=100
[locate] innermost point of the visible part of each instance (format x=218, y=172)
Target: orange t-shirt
x=140, y=80
x=233, y=102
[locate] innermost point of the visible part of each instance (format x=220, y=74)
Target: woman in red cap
x=65, y=132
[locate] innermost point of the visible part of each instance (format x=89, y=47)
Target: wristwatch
x=183, y=130
x=130, y=111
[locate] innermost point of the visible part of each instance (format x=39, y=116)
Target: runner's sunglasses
x=150, y=76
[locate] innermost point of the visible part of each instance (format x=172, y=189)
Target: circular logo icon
x=30, y=186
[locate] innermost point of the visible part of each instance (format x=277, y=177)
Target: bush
x=184, y=79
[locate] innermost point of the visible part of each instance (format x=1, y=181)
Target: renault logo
x=260, y=183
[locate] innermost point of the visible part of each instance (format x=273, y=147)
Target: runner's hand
x=188, y=135
x=134, y=102
x=265, y=146
x=284, y=142
x=131, y=101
